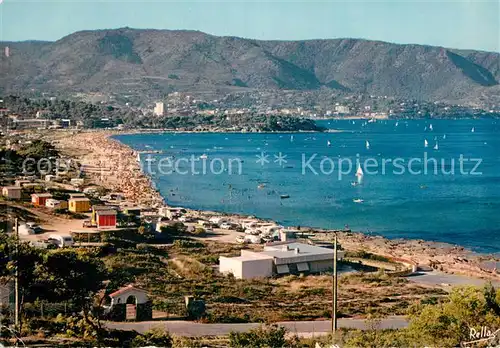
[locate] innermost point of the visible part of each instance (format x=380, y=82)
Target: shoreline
x=119, y=171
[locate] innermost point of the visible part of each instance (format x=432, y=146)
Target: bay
x=454, y=204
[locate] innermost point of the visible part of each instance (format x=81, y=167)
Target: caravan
x=61, y=241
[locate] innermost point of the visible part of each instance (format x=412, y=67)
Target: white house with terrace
x=279, y=259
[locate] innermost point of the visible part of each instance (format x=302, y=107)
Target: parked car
x=226, y=225
x=87, y=223
x=185, y=219
x=241, y=240
x=34, y=226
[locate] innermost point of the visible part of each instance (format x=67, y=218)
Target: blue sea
x=449, y=194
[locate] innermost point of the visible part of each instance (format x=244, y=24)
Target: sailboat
x=473, y=130
x=430, y=127
x=436, y=147
x=426, y=143
x=291, y=138
x=397, y=123
x=367, y=145
x=138, y=157
x=359, y=175
x=328, y=143
x=444, y=136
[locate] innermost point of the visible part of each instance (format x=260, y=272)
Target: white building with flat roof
x=279, y=258
x=159, y=109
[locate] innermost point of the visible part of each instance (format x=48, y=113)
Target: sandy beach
x=113, y=165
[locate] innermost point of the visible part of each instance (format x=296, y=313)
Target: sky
x=456, y=24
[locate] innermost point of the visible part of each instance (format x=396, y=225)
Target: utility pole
x=16, y=280
x=334, y=287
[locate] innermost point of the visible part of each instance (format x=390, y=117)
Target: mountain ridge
x=154, y=62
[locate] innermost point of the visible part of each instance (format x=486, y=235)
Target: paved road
x=301, y=328
x=439, y=278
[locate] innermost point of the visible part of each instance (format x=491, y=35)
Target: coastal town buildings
x=104, y=216
x=279, y=258
x=342, y=109
x=12, y=192
x=171, y=213
x=21, y=182
x=159, y=109
x=77, y=195
x=40, y=199
x=79, y=205
x=56, y=204
x=129, y=294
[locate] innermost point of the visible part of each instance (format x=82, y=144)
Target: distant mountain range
x=154, y=62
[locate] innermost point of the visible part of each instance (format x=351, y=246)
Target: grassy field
x=190, y=268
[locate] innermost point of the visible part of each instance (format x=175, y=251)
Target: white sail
x=444, y=136
x=359, y=175
x=436, y=147
x=328, y=143
x=397, y=123
x=426, y=143
x=430, y=127
x=291, y=138
x=473, y=130
x=367, y=145
x=138, y=157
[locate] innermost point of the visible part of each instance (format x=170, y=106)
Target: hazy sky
x=460, y=24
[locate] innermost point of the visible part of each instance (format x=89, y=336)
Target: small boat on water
x=367, y=145
x=358, y=200
x=291, y=138
x=328, y=143
x=397, y=123
x=261, y=186
x=204, y=156
x=284, y=196
x=138, y=157
x=431, y=128
x=426, y=143
x=444, y=136
x=359, y=176
x=436, y=147
x=473, y=130
x=149, y=159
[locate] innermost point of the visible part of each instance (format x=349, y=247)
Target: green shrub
x=199, y=231
x=153, y=337
x=186, y=244
x=264, y=336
